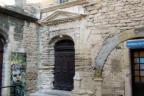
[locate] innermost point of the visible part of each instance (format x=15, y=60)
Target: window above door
x=63, y=1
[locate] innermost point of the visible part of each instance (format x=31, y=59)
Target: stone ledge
x=83, y=92
x=54, y=20
x=52, y=93
x=17, y=12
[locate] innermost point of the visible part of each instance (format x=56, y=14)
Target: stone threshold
x=52, y=93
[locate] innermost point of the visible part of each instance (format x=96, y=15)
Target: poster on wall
x=18, y=71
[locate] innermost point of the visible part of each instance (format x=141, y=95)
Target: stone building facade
x=99, y=29
x=18, y=34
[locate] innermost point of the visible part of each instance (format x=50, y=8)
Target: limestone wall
x=103, y=20
x=31, y=47
x=110, y=19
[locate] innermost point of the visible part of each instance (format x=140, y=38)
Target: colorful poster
x=18, y=71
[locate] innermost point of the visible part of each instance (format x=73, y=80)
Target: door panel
x=64, y=66
x=137, y=61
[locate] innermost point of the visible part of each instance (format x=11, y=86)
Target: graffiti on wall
x=18, y=71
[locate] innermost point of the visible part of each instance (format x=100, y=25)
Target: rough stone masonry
x=99, y=30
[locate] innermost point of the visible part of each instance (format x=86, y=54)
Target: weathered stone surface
x=21, y=3
x=116, y=67
x=52, y=93
x=106, y=50
x=98, y=45
x=128, y=34
x=101, y=58
x=20, y=36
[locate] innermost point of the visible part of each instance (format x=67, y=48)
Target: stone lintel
x=126, y=35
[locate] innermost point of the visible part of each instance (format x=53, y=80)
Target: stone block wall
x=48, y=36
x=104, y=20
x=116, y=72
x=30, y=43
x=107, y=19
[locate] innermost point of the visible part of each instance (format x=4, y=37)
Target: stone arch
x=4, y=40
x=112, y=43
x=58, y=38
x=51, y=57
x=3, y=34
x=52, y=43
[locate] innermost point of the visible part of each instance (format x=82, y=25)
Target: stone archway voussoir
x=111, y=43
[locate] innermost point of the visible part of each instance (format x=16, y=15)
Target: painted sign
x=18, y=71
x=135, y=43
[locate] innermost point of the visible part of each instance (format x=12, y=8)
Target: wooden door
x=64, y=69
x=137, y=61
x=1, y=62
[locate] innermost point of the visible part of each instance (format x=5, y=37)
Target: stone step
x=51, y=93
x=41, y=94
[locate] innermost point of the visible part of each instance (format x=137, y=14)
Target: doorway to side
x=137, y=69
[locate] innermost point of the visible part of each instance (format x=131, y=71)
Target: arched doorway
x=64, y=68
x=1, y=60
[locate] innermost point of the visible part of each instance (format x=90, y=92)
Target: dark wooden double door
x=64, y=68
x=137, y=61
